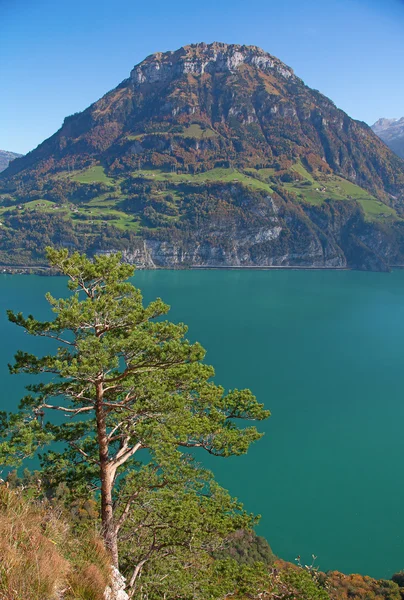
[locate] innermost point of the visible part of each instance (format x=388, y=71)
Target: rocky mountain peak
x=383, y=124
x=6, y=157
x=197, y=59
x=213, y=154
x=391, y=131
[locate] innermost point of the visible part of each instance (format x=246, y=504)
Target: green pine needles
x=134, y=394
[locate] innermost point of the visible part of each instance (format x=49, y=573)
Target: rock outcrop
x=116, y=591
x=199, y=59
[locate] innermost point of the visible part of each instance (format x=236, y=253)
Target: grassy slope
x=94, y=174
x=314, y=189
x=96, y=210
x=219, y=174
x=195, y=131
x=42, y=557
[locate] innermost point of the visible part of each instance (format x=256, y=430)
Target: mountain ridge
x=207, y=138
x=391, y=131
x=199, y=58
x=6, y=157
x=301, y=109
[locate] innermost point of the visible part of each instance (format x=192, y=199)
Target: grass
x=94, y=174
x=45, y=206
x=41, y=205
x=262, y=173
x=341, y=188
x=42, y=558
x=315, y=190
x=216, y=175
x=196, y=131
x=103, y=210
x=104, y=200
x=306, y=193
x=121, y=219
x=96, y=210
x=299, y=168
x=101, y=206
x=312, y=188
x=376, y=210
x=140, y=136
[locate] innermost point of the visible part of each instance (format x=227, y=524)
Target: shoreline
x=47, y=271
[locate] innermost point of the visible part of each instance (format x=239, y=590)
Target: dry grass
x=40, y=558
x=91, y=575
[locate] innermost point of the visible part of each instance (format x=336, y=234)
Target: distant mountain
x=6, y=157
x=391, y=131
x=215, y=155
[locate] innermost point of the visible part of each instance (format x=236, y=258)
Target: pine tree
x=127, y=382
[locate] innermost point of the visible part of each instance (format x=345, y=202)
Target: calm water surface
x=325, y=352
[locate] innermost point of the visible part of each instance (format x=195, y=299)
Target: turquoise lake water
x=324, y=351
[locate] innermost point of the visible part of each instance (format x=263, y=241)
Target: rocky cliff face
x=391, y=131
x=199, y=59
x=116, y=591
x=284, y=235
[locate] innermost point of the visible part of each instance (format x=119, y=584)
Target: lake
x=324, y=350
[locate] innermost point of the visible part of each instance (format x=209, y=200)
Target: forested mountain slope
x=212, y=155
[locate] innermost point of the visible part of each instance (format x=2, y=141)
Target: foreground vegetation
x=43, y=553
x=128, y=384
x=117, y=485
x=50, y=549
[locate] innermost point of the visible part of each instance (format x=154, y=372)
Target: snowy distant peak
x=391, y=131
x=6, y=157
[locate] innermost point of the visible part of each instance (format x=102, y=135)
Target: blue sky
x=59, y=56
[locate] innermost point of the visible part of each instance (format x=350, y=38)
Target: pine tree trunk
x=106, y=476
x=107, y=517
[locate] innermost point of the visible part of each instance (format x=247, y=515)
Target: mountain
x=391, y=131
x=6, y=157
x=212, y=155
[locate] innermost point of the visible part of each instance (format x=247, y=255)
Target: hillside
x=212, y=155
x=43, y=558
x=391, y=131
x=6, y=157
x=46, y=555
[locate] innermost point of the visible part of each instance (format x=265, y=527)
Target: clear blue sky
x=59, y=56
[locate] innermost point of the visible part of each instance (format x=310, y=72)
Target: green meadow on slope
x=106, y=207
